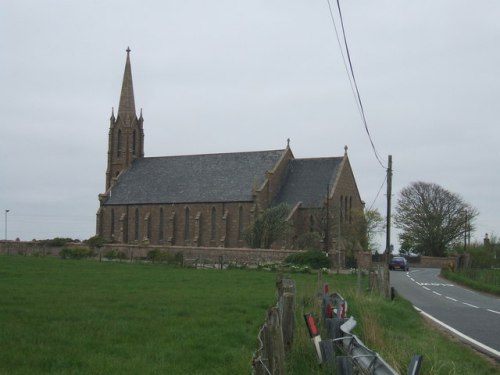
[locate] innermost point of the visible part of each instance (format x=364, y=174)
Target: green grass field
x=86, y=317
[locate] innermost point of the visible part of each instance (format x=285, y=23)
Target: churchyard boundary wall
x=191, y=256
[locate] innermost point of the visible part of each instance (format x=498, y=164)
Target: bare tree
x=432, y=219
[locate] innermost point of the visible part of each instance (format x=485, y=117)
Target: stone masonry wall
x=241, y=256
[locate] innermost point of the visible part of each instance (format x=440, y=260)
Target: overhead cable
x=352, y=77
x=378, y=193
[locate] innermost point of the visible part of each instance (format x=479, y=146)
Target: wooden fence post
x=288, y=319
x=286, y=306
x=273, y=336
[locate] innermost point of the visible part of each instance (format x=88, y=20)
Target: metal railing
x=344, y=350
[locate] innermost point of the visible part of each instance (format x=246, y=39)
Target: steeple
x=127, y=102
x=126, y=134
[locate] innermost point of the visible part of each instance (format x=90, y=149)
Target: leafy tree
x=374, y=226
x=269, y=227
x=431, y=218
x=310, y=241
x=353, y=232
x=95, y=242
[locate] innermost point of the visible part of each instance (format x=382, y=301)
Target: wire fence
x=275, y=337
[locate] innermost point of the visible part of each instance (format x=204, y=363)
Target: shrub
x=57, y=241
x=76, y=253
x=309, y=241
x=115, y=254
x=313, y=259
x=159, y=256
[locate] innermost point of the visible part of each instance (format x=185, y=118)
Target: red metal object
x=326, y=289
x=311, y=325
x=342, y=310
x=329, y=311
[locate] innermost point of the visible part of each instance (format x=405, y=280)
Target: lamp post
x=6, y=212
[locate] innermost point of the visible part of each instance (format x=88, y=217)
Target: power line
x=343, y=56
x=378, y=193
x=352, y=77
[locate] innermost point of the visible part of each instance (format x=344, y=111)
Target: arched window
x=112, y=223
x=350, y=209
x=125, y=229
x=346, y=209
x=186, y=224
x=119, y=143
x=136, y=225
x=134, y=137
x=341, y=208
x=148, y=228
x=161, y=233
x=213, y=220
x=174, y=228
x=241, y=226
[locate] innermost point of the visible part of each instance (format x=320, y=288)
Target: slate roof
x=227, y=177
x=306, y=181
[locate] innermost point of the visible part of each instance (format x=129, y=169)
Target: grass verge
x=394, y=329
x=484, y=280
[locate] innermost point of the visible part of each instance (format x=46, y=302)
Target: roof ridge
x=215, y=153
x=321, y=157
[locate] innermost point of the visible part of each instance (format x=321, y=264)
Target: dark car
x=399, y=263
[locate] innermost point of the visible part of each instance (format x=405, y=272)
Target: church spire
x=127, y=102
x=126, y=132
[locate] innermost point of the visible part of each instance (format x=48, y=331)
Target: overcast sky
x=232, y=75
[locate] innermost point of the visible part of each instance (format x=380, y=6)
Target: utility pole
x=389, y=194
x=387, y=274
x=327, y=232
x=6, y=212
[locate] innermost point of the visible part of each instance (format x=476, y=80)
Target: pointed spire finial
x=288, y=143
x=345, y=150
x=126, y=107
x=128, y=50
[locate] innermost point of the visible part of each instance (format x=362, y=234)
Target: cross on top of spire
x=126, y=107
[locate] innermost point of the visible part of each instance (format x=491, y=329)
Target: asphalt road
x=472, y=314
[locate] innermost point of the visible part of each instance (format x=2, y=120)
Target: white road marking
x=423, y=285
x=492, y=351
x=468, y=304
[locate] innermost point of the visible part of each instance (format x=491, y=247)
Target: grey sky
x=224, y=76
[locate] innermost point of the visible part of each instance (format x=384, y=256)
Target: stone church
x=209, y=200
